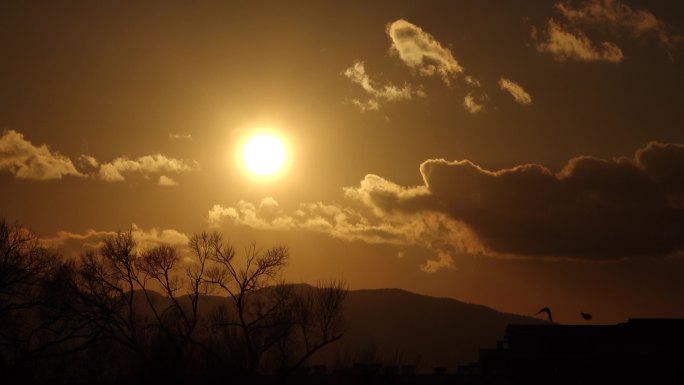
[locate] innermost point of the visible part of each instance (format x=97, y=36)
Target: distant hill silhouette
x=423, y=330
x=395, y=327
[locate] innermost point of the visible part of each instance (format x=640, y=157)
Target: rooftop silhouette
x=645, y=351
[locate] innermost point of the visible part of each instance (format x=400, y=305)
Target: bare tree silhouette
x=158, y=304
x=35, y=319
x=286, y=322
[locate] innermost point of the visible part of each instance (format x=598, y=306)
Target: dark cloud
x=615, y=15
x=566, y=39
x=593, y=209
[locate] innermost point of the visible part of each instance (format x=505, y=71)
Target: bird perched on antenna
x=548, y=313
x=586, y=316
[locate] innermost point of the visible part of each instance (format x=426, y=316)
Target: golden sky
x=515, y=156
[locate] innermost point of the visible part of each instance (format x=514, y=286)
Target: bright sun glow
x=264, y=154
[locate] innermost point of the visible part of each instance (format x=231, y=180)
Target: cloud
x=425, y=56
x=368, y=105
x=565, y=44
x=519, y=94
x=156, y=236
x=386, y=93
x=26, y=161
x=593, y=210
x=356, y=221
x=443, y=261
x=166, y=181
x=471, y=104
x=88, y=165
x=180, y=136
x=422, y=52
x=267, y=215
x=149, y=164
x=614, y=14
x=568, y=40
x=73, y=244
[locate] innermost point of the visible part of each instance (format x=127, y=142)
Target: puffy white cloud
x=166, y=181
x=149, y=164
x=519, y=94
x=266, y=215
x=27, y=161
x=88, y=161
x=156, y=236
x=357, y=221
x=217, y=214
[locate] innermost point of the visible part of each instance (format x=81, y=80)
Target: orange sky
x=515, y=156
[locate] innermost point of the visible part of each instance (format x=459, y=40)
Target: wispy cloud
x=27, y=161
x=368, y=105
x=565, y=44
x=378, y=93
x=424, y=56
x=615, y=14
x=471, y=104
x=72, y=243
x=442, y=261
x=566, y=37
x=180, y=136
x=516, y=91
x=421, y=51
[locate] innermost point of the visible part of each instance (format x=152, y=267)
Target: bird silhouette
x=586, y=316
x=547, y=311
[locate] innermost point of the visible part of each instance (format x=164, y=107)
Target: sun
x=264, y=154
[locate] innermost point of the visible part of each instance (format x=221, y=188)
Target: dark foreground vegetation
x=124, y=315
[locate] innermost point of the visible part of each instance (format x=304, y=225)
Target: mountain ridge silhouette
x=392, y=326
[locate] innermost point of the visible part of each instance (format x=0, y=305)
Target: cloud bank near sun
x=25, y=160
x=593, y=209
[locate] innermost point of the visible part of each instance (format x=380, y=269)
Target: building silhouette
x=640, y=351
